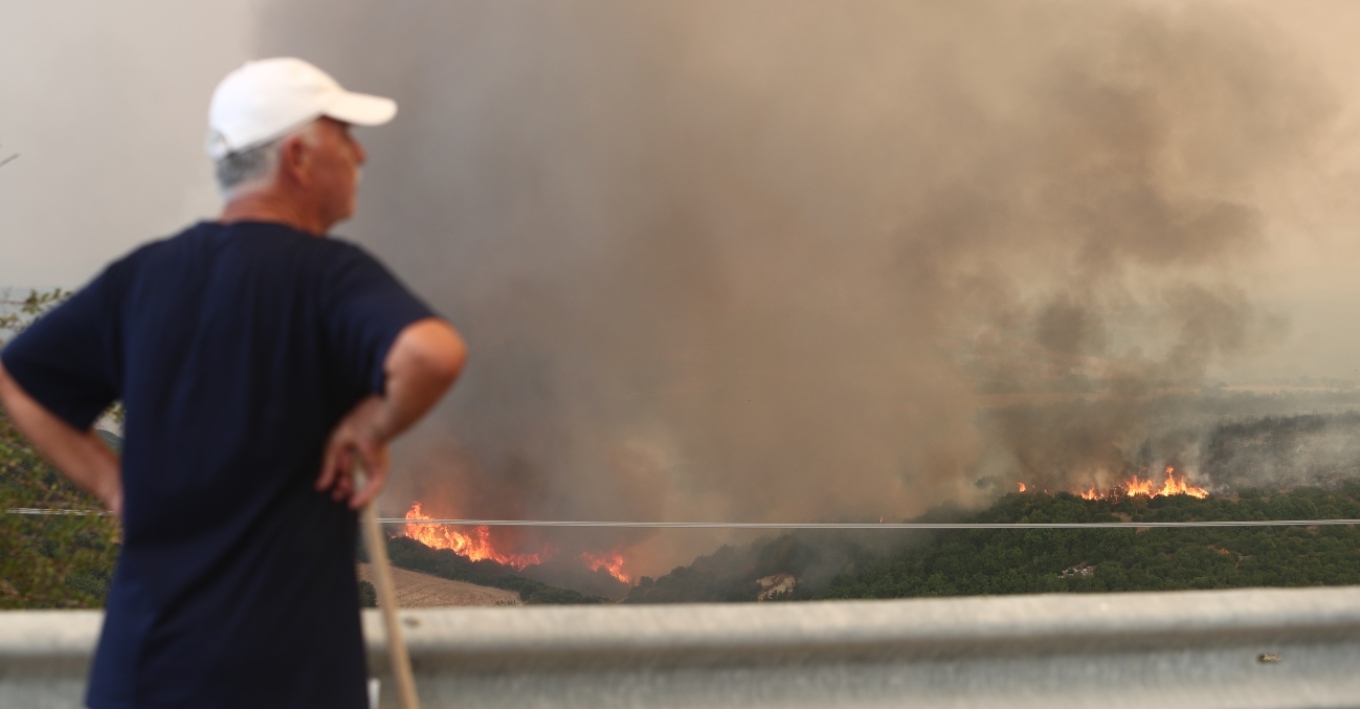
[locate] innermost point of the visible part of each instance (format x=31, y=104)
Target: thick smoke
x=804, y=260
x=1311, y=449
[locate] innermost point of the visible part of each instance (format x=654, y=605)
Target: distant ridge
x=820, y=565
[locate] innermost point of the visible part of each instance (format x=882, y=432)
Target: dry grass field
x=415, y=590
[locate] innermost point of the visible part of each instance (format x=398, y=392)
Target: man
x=255, y=360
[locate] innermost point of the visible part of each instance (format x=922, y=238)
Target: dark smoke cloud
x=1310, y=449
x=789, y=259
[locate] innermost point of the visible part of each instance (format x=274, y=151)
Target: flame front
x=475, y=546
x=612, y=562
x=1135, y=487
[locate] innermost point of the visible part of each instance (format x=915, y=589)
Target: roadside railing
x=1239, y=648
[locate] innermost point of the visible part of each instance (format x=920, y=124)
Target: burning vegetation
x=478, y=544
x=1136, y=487
x=611, y=563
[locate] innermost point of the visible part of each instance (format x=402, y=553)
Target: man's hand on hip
x=357, y=438
x=421, y=365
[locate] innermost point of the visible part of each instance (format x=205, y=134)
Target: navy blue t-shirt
x=235, y=349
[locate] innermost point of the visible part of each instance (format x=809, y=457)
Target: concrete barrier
x=1250, y=648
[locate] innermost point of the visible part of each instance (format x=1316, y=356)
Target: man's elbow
x=433, y=349
x=447, y=361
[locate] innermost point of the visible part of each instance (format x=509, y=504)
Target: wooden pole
x=387, y=602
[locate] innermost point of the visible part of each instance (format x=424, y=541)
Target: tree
x=51, y=561
x=368, y=595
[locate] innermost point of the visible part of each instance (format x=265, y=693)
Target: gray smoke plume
x=803, y=260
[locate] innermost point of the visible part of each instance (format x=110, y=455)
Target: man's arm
x=80, y=455
x=421, y=365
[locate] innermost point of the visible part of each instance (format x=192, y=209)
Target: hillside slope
x=890, y=564
x=407, y=553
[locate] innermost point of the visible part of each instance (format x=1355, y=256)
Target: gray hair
x=236, y=169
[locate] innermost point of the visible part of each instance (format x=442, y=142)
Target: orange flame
x=1172, y=486
x=1134, y=487
x=612, y=562
x=1022, y=486
x=475, y=546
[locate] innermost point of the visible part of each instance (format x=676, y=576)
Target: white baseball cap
x=268, y=98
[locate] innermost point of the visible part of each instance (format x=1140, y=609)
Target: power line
x=608, y=524
x=870, y=525
x=55, y=512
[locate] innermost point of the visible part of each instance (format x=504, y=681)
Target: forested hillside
x=1044, y=560
x=963, y=562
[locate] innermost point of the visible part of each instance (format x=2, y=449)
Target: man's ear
x=295, y=159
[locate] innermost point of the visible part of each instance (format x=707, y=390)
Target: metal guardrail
x=1244, y=648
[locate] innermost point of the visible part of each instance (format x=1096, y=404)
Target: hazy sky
x=105, y=105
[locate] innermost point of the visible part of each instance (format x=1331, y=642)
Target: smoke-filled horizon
x=793, y=260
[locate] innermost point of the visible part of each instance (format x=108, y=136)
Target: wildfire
x=613, y=563
x=1022, y=486
x=1134, y=487
x=476, y=545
